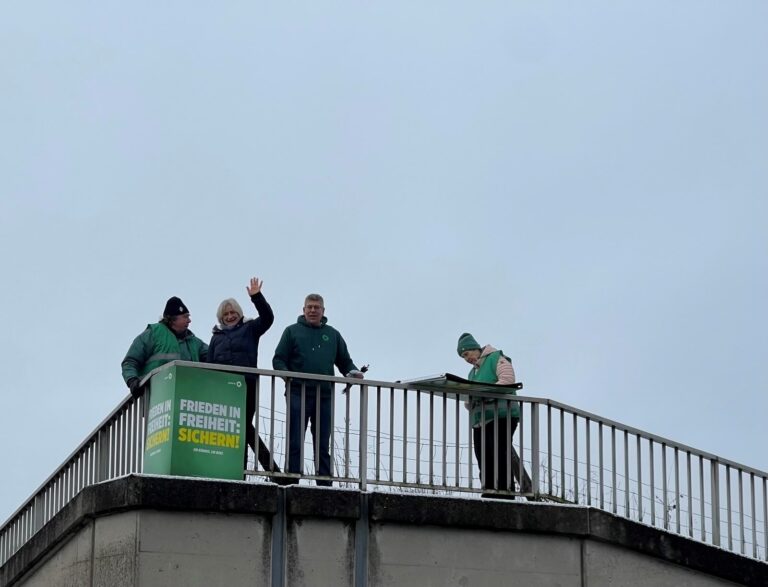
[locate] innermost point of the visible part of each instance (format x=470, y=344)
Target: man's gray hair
x=314, y=298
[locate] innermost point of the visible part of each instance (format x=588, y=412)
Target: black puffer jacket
x=239, y=346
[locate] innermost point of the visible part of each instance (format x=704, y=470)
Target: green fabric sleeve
x=137, y=355
x=343, y=360
x=282, y=352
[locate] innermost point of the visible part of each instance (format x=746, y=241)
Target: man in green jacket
x=312, y=346
x=162, y=342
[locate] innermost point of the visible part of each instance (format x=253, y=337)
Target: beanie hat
x=175, y=307
x=467, y=342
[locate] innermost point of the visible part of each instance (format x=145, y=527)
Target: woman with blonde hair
x=235, y=342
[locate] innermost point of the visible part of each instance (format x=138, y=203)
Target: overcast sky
x=582, y=184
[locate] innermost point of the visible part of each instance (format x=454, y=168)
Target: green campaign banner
x=196, y=423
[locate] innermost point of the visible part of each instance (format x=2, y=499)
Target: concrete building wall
x=154, y=532
x=202, y=549
x=115, y=549
x=429, y=555
x=607, y=566
x=320, y=552
x=68, y=566
x=157, y=549
x=402, y=555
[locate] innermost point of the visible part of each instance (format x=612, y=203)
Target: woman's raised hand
x=255, y=286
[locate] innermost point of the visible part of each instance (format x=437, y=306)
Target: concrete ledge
x=140, y=492
x=579, y=521
x=231, y=497
x=677, y=549
x=320, y=502
x=474, y=513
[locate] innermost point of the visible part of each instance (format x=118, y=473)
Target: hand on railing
x=357, y=375
x=134, y=384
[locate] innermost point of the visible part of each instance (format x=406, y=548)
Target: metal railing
x=407, y=438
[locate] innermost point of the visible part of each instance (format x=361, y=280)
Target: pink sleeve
x=505, y=373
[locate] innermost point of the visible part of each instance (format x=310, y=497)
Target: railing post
x=715, y=478
x=575, y=459
x=256, y=414
x=38, y=508
x=588, y=448
x=102, y=448
x=765, y=518
x=4, y=549
x=363, y=469
x=550, y=449
x=639, y=480
x=142, y=428
x=535, y=448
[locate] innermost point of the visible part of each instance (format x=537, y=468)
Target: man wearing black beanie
x=162, y=342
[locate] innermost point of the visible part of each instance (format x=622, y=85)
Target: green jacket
x=158, y=345
x=312, y=349
x=485, y=372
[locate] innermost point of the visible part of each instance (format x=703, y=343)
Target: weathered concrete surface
x=585, y=523
x=116, y=549
x=202, y=549
x=606, y=565
x=69, y=566
x=320, y=538
x=153, y=548
x=320, y=552
x=471, y=513
x=322, y=502
x=151, y=531
x=411, y=555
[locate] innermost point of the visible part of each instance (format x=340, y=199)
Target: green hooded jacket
x=312, y=349
x=158, y=345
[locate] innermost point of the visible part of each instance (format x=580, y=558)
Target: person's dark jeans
x=261, y=451
x=320, y=430
x=496, y=431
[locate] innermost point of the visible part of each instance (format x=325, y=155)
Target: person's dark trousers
x=262, y=452
x=321, y=429
x=496, y=431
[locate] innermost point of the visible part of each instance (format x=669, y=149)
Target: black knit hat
x=175, y=307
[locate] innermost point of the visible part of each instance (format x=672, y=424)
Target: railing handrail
x=195, y=365
x=74, y=453
x=129, y=406
x=388, y=384
x=646, y=435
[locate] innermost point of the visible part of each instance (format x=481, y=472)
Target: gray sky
x=584, y=185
